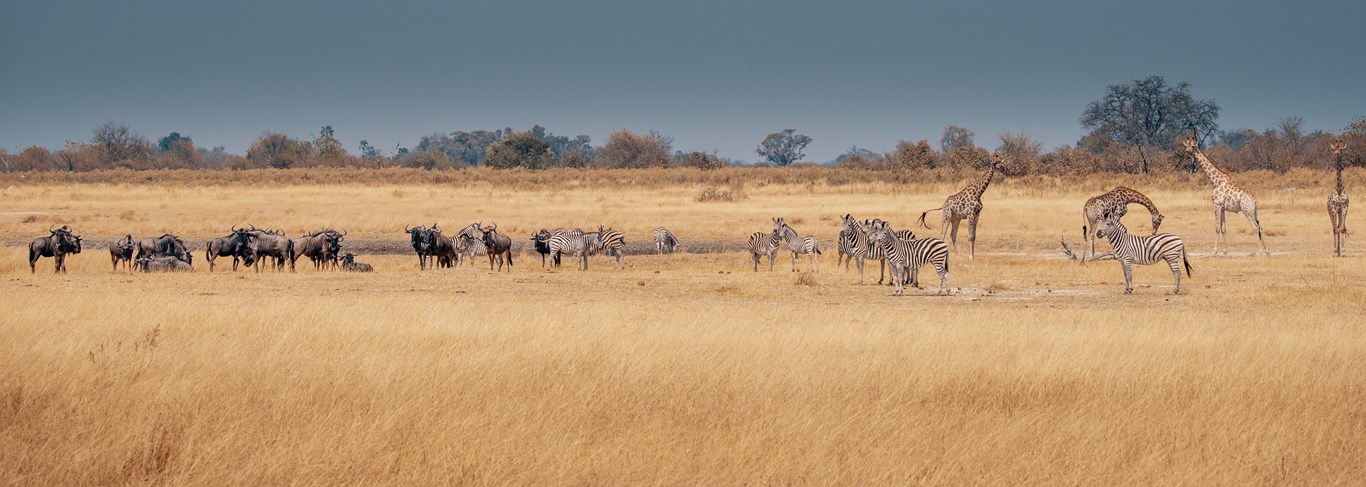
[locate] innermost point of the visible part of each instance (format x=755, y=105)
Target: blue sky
x=715, y=75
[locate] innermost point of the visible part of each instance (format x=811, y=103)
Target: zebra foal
x=1141, y=249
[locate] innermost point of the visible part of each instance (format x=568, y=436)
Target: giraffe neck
x=1339, y=180
x=1216, y=176
x=1135, y=197
x=979, y=187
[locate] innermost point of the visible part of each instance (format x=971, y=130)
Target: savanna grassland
x=685, y=368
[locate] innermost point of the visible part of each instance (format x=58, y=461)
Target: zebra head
x=1108, y=224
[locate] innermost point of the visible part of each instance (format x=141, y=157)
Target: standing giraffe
x=965, y=204
x=1116, y=202
x=1226, y=196
x=1337, y=202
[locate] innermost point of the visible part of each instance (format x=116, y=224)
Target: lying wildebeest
x=441, y=247
x=349, y=264
x=164, y=264
x=121, y=250
x=56, y=245
x=165, y=245
x=232, y=245
x=320, y=247
x=419, y=238
x=271, y=244
x=497, y=245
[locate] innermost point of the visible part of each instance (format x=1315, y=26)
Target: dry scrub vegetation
x=685, y=368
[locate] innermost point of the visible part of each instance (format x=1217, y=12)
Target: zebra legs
x=1174, y=262
x=1129, y=276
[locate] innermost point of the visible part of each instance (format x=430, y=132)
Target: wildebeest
x=271, y=244
x=320, y=247
x=56, y=245
x=165, y=245
x=541, y=240
x=121, y=250
x=164, y=264
x=419, y=239
x=349, y=264
x=232, y=245
x=497, y=245
x=441, y=247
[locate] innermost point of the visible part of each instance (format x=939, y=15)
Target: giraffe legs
x=972, y=235
x=953, y=232
x=1218, y=227
x=1256, y=226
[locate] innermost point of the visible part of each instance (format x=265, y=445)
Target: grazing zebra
x=905, y=257
x=612, y=243
x=577, y=242
x=798, y=245
x=1145, y=250
x=665, y=241
x=761, y=244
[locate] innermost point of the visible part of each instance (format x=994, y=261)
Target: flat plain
x=682, y=368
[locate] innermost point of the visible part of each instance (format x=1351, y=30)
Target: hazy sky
x=715, y=75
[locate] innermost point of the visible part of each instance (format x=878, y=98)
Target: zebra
x=542, y=243
x=847, y=240
x=1140, y=249
x=577, y=242
x=905, y=257
x=798, y=245
x=612, y=243
x=863, y=250
x=761, y=244
x=665, y=241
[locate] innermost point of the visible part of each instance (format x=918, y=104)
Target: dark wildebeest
x=497, y=245
x=349, y=264
x=121, y=250
x=165, y=245
x=441, y=247
x=419, y=237
x=271, y=244
x=229, y=246
x=56, y=245
x=164, y=264
x=320, y=247
x=541, y=240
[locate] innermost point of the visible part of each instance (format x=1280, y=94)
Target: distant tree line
x=1134, y=127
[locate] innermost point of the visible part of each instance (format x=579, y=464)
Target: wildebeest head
x=419, y=237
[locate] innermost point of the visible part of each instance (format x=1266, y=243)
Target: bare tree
x=121, y=143
x=1149, y=113
x=955, y=137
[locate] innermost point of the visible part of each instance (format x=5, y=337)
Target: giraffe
x=1117, y=202
x=1226, y=196
x=965, y=204
x=1337, y=202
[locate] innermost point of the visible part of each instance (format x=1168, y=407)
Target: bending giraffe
x=965, y=205
x=1337, y=201
x=1116, y=202
x=1227, y=197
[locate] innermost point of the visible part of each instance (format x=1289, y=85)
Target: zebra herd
x=875, y=239
x=553, y=244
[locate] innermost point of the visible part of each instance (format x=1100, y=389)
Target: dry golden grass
x=687, y=368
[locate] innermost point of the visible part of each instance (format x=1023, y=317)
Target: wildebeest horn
x=494, y=227
x=234, y=229
x=253, y=228
x=343, y=233
x=406, y=229
x=50, y=230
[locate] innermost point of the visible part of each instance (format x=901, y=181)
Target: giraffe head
x=1337, y=146
x=1190, y=145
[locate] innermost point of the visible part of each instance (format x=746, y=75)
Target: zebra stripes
x=857, y=240
x=665, y=241
x=905, y=257
x=577, y=242
x=1141, y=249
x=612, y=243
x=761, y=244
x=798, y=244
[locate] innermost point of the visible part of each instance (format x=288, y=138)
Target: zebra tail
x=922, y=217
x=1187, y=262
